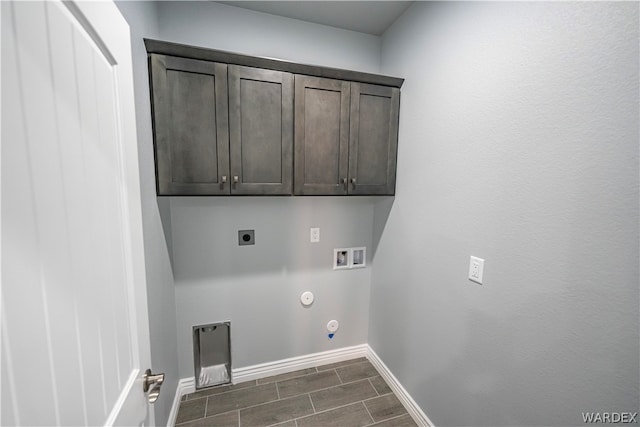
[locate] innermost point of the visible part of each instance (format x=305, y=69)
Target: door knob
x=151, y=383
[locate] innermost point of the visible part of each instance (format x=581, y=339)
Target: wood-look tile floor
x=344, y=394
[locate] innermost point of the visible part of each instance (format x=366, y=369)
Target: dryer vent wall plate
x=333, y=326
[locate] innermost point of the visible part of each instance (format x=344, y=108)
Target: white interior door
x=75, y=340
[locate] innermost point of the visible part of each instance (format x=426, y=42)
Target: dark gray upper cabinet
x=346, y=137
x=190, y=125
x=373, y=139
x=322, y=136
x=261, y=131
x=221, y=129
x=230, y=124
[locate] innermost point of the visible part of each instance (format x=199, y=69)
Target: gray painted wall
x=218, y=26
x=142, y=18
x=258, y=288
x=519, y=145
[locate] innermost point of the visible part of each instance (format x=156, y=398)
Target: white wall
x=258, y=288
x=518, y=144
x=142, y=18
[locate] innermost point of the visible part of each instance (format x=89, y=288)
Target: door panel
x=191, y=125
x=321, y=135
x=373, y=139
x=261, y=131
x=193, y=157
x=373, y=153
x=74, y=321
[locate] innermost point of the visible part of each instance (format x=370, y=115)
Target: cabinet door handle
x=353, y=182
x=235, y=179
x=223, y=181
x=344, y=182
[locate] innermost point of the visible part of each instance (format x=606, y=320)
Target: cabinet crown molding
x=193, y=52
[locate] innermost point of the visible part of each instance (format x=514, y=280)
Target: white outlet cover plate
x=476, y=269
x=314, y=234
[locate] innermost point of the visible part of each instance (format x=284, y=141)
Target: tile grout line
x=256, y=384
x=225, y=392
x=315, y=370
x=245, y=407
x=334, y=408
x=267, y=381
x=260, y=404
x=375, y=397
x=231, y=391
x=312, y=405
x=368, y=412
x=330, y=387
x=336, y=371
x=202, y=418
x=385, y=395
x=314, y=409
x=309, y=393
x=359, y=380
x=374, y=387
x=391, y=419
x=291, y=397
x=301, y=376
x=279, y=423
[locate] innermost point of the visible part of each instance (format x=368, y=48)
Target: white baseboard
x=410, y=405
x=185, y=386
x=263, y=370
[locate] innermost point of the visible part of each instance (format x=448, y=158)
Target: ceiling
x=370, y=17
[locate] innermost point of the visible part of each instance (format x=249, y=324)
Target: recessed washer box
x=246, y=237
x=348, y=258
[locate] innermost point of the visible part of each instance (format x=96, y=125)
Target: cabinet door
x=373, y=140
x=260, y=131
x=321, y=135
x=190, y=126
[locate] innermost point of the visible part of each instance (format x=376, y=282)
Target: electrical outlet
x=476, y=269
x=315, y=234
